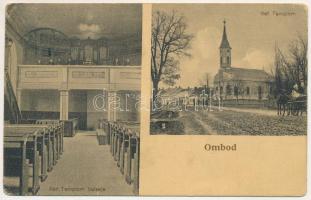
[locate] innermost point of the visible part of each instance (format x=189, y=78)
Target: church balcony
x=86, y=77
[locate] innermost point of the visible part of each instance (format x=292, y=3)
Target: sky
x=252, y=30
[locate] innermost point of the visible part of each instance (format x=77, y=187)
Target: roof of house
x=234, y=73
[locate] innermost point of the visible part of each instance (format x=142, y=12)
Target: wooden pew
x=43, y=133
x=14, y=142
x=124, y=151
x=70, y=127
x=136, y=167
x=26, y=142
x=103, y=132
x=51, y=137
x=124, y=146
x=117, y=144
x=44, y=140
x=58, y=132
x=129, y=158
x=121, y=132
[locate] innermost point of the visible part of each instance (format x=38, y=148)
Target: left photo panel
x=72, y=99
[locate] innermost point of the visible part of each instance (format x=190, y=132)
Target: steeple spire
x=224, y=41
x=225, y=50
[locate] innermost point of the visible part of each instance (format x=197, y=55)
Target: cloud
x=89, y=27
x=255, y=58
x=205, y=57
x=89, y=30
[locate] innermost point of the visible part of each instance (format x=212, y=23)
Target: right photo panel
x=229, y=69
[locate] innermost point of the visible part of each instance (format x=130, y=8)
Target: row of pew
x=124, y=146
x=70, y=125
x=31, y=151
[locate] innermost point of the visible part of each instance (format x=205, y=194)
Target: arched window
x=49, y=52
x=228, y=59
x=236, y=91
x=228, y=90
x=221, y=90
x=247, y=90
x=259, y=92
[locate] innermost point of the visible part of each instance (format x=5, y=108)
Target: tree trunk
x=155, y=93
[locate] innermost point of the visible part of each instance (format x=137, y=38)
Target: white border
x=2, y=36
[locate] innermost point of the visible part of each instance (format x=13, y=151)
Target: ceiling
x=79, y=20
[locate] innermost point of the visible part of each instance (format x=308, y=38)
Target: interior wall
x=78, y=107
x=13, y=54
x=87, y=105
x=40, y=104
x=128, y=107
x=40, y=100
x=45, y=104
x=98, y=111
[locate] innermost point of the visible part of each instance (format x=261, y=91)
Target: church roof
x=174, y=92
x=243, y=74
x=224, y=41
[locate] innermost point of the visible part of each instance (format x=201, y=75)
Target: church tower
x=225, y=51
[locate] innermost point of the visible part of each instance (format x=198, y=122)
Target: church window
x=103, y=53
x=228, y=90
x=228, y=59
x=49, y=52
x=259, y=92
x=247, y=91
x=236, y=91
x=221, y=90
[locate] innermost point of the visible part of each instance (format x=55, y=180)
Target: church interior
x=72, y=69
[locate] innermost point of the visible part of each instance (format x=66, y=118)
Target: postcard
x=141, y=99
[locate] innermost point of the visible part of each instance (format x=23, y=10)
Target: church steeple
x=225, y=50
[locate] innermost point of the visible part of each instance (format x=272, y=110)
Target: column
x=112, y=106
x=64, y=100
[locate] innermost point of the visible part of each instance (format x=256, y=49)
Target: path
x=85, y=168
x=250, y=110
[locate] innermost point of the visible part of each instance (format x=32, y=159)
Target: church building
x=234, y=84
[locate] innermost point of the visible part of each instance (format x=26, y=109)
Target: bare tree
x=205, y=80
x=168, y=41
x=291, y=67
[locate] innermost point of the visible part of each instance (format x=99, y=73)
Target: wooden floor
x=85, y=168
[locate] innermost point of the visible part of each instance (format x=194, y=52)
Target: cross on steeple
x=224, y=41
